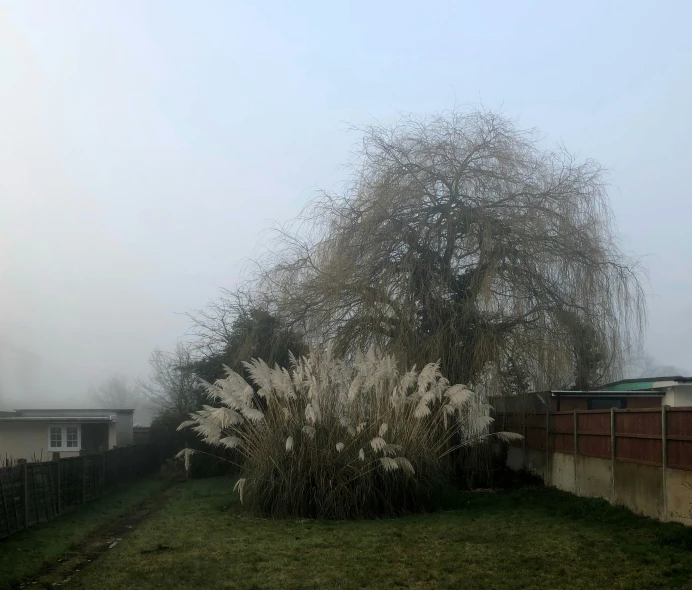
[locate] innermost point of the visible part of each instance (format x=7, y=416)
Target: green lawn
x=24, y=554
x=535, y=538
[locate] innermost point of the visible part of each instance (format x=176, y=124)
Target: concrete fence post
x=576, y=451
x=664, y=458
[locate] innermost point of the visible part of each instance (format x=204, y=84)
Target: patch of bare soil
x=108, y=537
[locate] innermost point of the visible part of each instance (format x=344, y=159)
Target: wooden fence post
x=59, y=484
x=14, y=502
x=84, y=478
x=547, y=477
x=664, y=467
x=116, y=460
x=612, y=455
x=4, y=499
x=25, y=489
x=33, y=472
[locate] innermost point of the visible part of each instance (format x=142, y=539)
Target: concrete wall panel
x=679, y=495
x=594, y=477
x=562, y=472
x=640, y=488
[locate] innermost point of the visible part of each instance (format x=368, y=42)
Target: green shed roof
x=631, y=386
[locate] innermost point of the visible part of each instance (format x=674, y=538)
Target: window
x=605, y=403
x=72, y=437
x=55, y=437
x=64, y=438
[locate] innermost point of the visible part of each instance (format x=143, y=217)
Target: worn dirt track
x=92, y=547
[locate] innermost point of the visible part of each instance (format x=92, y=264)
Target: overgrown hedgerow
x=338, y=439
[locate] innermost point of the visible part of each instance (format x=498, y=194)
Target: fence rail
x=651, y=436
x=31, y=493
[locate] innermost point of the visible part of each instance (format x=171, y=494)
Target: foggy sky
x=145, y=146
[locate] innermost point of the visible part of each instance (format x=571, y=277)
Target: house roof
x=609, y=393
x=57, y=418
x=62, y=415
x=77, y=410
x=643, y=383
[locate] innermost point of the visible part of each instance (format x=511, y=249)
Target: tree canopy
x=461, y=237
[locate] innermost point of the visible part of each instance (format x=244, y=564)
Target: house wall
x=678, y=396
x=23, y=440
x=567, y=404
x=644, y=402
x=124, y=424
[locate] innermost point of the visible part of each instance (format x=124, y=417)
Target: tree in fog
x=238, y=327
x=117, y=392
x=172, y=385
x=120, y=392
x=460, y=237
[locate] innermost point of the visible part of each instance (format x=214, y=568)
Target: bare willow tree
x=462, y=238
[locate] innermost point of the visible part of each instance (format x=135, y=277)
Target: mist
x=145, y=148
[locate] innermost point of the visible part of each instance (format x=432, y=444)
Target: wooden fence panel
x=638, y=422
x=31, y=493
x=679, y=427
x=30, y=496
x=562, y=432
x=638, y=434
x=71, y=484
x=535, y=432
x=11, y=496
x=639, y=450
x=593, y=433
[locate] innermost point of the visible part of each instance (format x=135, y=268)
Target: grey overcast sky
x=145, y=146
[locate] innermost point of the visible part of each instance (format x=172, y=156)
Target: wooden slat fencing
x=632, y=435
x=31, y=493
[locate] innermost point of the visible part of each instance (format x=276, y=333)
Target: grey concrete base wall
x=644, y=489
x=640, y=488
x=594, y=477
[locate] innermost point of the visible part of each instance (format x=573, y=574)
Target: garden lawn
x=532, y=538
x=24, y=554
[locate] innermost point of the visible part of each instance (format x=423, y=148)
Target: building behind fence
x=31, y=493
x=639, y=458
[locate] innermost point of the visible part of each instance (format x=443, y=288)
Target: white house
x=37, y=434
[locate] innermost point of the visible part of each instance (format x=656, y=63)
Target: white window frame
x=63, y=440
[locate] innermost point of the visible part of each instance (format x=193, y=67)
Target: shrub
x=337, y=439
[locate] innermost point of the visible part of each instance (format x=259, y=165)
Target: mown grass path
x=49, y=553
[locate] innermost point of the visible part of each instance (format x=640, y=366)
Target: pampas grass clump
x=336, y=439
